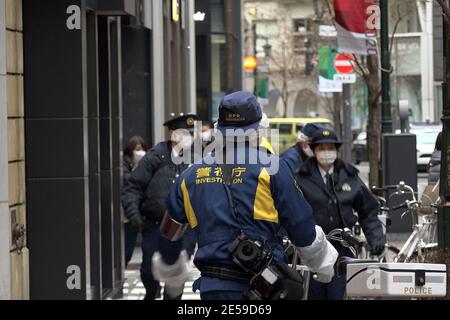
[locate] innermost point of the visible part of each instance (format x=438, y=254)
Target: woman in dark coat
x=135, y=150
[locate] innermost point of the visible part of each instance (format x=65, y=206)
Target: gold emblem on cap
x=235, y=117
x=190, y=121
x=346, y=187
x=326, y=133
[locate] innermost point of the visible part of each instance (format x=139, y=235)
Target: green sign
x=262, y=88
x=326, y=62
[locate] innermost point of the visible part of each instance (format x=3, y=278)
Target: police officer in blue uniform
x=144, y=195
x=301, y=151
x=334, y=190
x=223, y=202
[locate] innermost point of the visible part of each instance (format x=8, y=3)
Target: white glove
x=175, y=275
x=320, y=257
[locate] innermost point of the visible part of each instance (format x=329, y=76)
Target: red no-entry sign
x=343, y=63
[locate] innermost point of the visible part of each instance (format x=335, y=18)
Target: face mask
x=326, y=157
x=206, y=136
x=308, y=152
x=138, y=155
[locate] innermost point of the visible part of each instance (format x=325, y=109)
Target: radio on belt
x=396, y=280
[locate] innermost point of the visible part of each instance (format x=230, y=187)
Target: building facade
x=14, y=254
x=218, y=53
x=285, y=36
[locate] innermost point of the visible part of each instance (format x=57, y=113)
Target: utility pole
x=444, y=187
x=386, y=119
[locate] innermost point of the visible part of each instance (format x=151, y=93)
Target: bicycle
x=422, y=239
x=385, y=219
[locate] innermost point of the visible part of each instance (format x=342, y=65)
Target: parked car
x=426, y=135
x=426, y=140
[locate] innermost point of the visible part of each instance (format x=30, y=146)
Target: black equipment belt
x=224, y=273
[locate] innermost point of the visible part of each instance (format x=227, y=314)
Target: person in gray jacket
x=434, y=167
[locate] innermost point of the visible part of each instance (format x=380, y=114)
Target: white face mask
x=308, y=152
x=206, y=136
x=138, y=155
x=326, y=157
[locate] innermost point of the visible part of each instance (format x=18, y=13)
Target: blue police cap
x=325, y=135
x=310, y=128
x=239, y=110
x=182, y=122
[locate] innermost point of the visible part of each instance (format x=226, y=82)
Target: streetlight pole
x=386, y=120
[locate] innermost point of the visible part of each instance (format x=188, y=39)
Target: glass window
x=406, y=12
x=217, y=16
x=285, y=128
x=302, y=25
x=218, y=71
x=267, y=33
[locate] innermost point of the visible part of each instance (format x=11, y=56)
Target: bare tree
x=283, y=68
x=369, y=69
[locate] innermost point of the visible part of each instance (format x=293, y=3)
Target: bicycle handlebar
x=403, y=205
x=347, y=239
x=384, y=188
x=348, y=236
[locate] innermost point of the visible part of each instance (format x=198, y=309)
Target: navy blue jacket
x=259, y=201
x=294, y=157
x=148, y=186
x=352, y=194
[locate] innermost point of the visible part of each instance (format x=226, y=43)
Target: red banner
x=356, y=22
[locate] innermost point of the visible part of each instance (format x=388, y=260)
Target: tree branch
x=445, y=9
x=397, y=23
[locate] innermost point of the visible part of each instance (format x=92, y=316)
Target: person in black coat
x=144, y=196
x=334, y=190
x=134, y=151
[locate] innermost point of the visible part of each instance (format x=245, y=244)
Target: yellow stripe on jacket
x=190, y=213
x=264, y=206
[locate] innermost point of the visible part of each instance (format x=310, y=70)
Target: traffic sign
x=345, y=78
x=343, y=63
